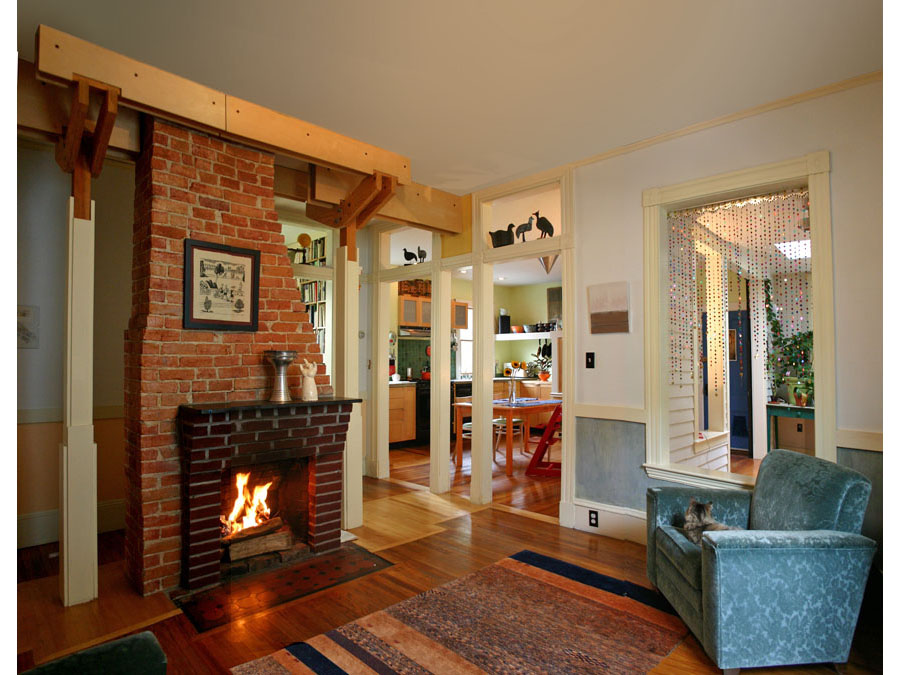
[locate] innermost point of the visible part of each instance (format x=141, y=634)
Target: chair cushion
x=682, y=553
x=501, y=421
x=799, y=492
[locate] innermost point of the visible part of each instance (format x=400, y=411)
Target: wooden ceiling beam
x=60, y=56
x=414, y=204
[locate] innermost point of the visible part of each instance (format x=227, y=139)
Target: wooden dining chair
x=499, y=427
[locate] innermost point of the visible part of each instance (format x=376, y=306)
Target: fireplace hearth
x=291, y=455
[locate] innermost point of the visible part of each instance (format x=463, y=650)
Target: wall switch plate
x=592, y=518
x=589, y=360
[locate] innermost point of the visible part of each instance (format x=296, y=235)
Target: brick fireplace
x=304, y=438
x=193, y=185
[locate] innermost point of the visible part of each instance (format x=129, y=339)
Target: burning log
x=257, y=545
x=257, y=531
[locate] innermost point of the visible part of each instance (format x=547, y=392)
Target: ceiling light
x=794, y=250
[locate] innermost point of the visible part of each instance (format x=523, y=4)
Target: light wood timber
x=44, y=108
x=412, y=204
x=291, y=183
x=60, y=56
x=360, y=205
x=270, y=129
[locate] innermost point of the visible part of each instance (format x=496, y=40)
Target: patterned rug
x=524, y=614
x=254, y=593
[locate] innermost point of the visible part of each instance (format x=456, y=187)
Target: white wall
x=609, y=225
x=43, y=192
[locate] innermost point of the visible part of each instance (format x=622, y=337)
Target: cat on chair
x=698, y=519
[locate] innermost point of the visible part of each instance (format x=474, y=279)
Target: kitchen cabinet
x=459, y=315
x=415, y=311
x=402, y=413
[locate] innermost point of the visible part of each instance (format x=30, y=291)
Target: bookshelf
x=315, y=291
x=316, y=255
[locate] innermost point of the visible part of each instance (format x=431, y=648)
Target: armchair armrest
x=666, y=506
x=777, y=597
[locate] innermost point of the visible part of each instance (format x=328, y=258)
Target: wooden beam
x=388, y=189
x=44, y=108
x=273, y=130
x=291, y=183
x=414, y=204
x=69, y=146
x=60, y=56
x=348, y=239
x=81, y=187
x=103, y=130
x=370, y=195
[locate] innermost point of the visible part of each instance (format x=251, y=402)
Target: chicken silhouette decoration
x=410, y=256
x=503, y=237
x=422, y=253
x=544, y=225
x=524, y=227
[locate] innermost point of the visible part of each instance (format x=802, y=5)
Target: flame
x=249, y=510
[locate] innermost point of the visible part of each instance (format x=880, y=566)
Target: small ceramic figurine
x=309, y=391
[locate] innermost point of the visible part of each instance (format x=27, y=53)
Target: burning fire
x=248, y=511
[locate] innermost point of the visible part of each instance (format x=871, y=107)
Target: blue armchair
x=784, y=590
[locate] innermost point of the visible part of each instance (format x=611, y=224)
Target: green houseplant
x=790, y=359
x=540, y=366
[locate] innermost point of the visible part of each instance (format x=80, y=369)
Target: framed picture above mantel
x=221, y=287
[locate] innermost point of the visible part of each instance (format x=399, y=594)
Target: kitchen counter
x=402, y=383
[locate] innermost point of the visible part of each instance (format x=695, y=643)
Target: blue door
x=739, y=375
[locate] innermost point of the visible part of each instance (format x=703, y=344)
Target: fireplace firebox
x=262, y=477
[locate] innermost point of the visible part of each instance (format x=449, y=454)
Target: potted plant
x=540, y=366
x=790, y=358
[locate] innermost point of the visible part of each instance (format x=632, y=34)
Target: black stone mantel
x=236, y=406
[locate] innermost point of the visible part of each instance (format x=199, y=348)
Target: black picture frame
x=226, y=292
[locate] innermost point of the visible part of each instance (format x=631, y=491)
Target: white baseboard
x=566, y=514
x=42, y=527
x=618, y=522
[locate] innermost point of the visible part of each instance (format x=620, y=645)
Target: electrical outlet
x=589, y=360
x=592, y=518
x=800, y=427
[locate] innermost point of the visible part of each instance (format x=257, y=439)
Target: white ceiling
x=478, y=92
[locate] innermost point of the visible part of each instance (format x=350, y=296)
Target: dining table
x=522, y=408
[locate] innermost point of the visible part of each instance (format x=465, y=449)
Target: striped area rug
x=524, y=614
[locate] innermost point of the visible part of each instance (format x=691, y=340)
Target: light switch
x=589, y=360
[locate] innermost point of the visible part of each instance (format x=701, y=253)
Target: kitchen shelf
x=549, y=335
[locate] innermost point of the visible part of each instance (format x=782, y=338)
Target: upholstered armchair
x=788, y=587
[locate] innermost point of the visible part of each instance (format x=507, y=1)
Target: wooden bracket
x=82, y=147
x=360, y=206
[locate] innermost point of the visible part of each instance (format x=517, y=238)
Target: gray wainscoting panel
x=608, y=462
x=870, y=465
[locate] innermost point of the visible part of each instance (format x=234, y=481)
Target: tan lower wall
x=38, y=463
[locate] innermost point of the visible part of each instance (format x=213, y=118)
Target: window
x=466, y=348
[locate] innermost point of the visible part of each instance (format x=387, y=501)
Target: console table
x=784, y=410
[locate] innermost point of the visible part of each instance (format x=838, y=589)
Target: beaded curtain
x=744, y=233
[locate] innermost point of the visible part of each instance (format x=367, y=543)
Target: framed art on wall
x=221, y=287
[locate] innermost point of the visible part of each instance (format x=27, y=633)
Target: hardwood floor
x=537, y=495
x=743, y=464
x=431, y=539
